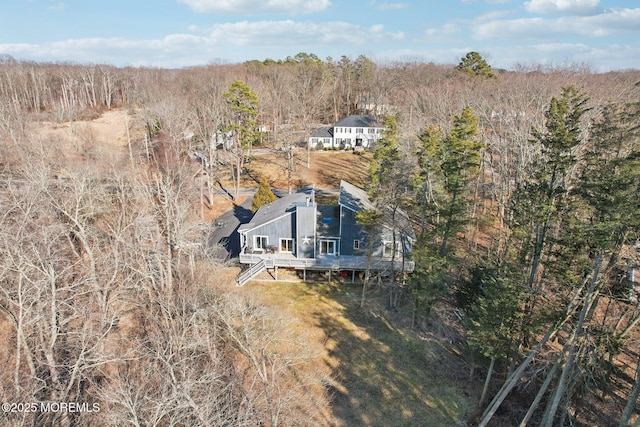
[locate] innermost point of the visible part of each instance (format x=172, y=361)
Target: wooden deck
x=327, y=262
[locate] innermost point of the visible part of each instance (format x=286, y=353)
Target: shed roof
x=357, y=199
x=278, y=208
x=353, y=197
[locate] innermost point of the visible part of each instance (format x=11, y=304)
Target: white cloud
x=447, y=29
x=578, y=7
x=610, y=22
x=388, y=5
x=292, y=33
x=57, y=6
x=232, y=42
x=256, y=7
x=611, y=57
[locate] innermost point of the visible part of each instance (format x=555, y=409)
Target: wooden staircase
x=251, y=272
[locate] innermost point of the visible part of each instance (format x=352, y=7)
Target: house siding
x=306, y=226
x=350, y=231
x=323, y=235
x=284, y=228
x=352, y=131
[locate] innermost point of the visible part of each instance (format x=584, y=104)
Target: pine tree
x=428, y=179
x=243, y=103
x=460, y=155
x=385, y=157
x=263, y=196
x=539, y=201
x=494, y=317
x=388, y=186
x=474, y=64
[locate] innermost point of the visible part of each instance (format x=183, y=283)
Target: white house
x=350, y=132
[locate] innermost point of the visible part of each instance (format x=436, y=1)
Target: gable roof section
x=357, y=121
x=277, y=209
x=354, y=198
x=323, y=132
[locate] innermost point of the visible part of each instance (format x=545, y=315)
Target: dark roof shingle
x=278, y=208
x=357, y=121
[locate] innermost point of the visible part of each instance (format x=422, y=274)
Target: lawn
x=326, y=169
x=382, y=374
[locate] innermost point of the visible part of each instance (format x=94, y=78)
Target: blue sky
x=604, y=34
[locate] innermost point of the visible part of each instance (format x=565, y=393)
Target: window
x=286, y=245
x=328, y=247
x=388, y=248
x=356, y=244
x=371, y=130
x=314, y=140
x=261, y=242
x=358, y=130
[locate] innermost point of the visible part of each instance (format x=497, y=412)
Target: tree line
x=522, y=187
x=533, y=234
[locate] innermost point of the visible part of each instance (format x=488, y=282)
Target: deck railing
x=329, y=262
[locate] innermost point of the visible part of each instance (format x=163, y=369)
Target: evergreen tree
x=385, y=157
x=446, y=165
x=603, y=205
x=429, y=281
x=494, y=317
x=263, y=196
x=460, y=155
x=474, y=64
x=388, y=188
x=243, y=104
x=428, y=179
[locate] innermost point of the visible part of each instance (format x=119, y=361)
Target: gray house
x=295, y=232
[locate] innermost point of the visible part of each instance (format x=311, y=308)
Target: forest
x=523, y=187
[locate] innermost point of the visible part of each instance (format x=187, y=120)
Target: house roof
x=278, y=208
x=358, y=121
x=353, y=197
x=357, y=199
x=324, y=132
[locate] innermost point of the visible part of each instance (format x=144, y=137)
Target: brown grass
x=382, y=373
x=326, y=169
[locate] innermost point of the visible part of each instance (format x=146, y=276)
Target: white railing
x=251, y=272
x=326, y=262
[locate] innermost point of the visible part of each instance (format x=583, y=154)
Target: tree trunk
x=631, y=402
x=487, y=381
x=512, y=380
x=568, y=367
x=543, y=389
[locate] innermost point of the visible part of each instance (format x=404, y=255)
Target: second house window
x=328, y=247
x=286, y=245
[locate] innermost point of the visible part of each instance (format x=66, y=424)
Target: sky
x=601, y=34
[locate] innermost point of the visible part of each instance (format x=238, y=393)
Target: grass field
x=382, y=374
x=326, y=169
